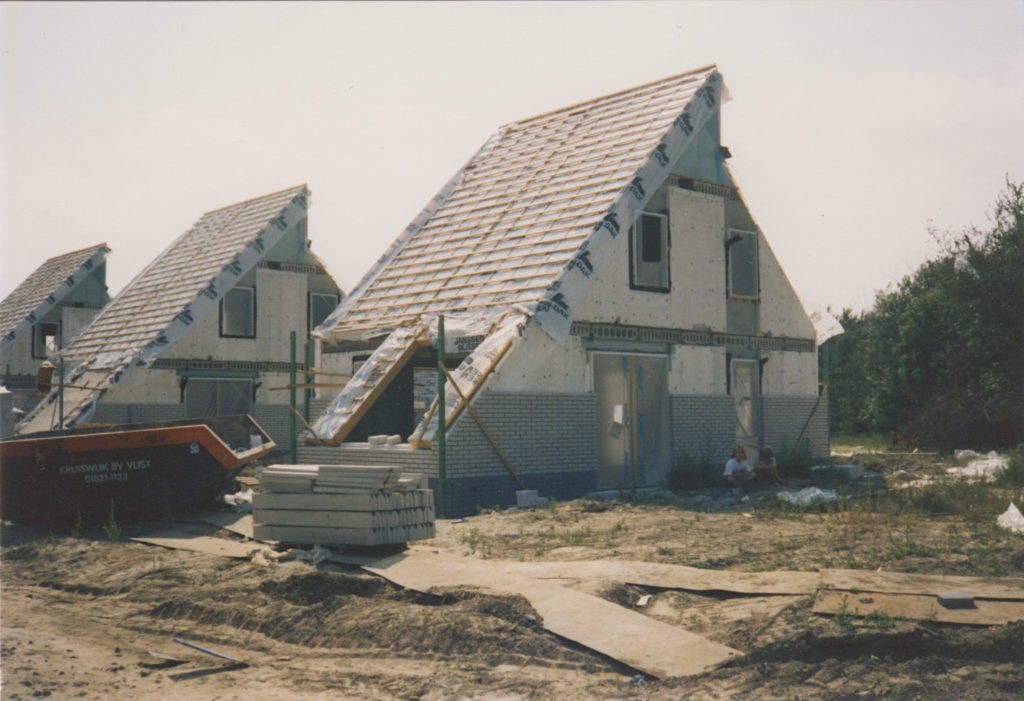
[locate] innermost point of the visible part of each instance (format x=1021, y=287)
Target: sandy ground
x=82, y=615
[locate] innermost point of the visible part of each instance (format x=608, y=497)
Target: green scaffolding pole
x=293, y=429
x=441, y=468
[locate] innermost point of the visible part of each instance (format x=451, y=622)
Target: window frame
x=190, y=386
x=730, y=265
x=251, y=289
x=309, y=307
x=636, y=252
x=39, y=350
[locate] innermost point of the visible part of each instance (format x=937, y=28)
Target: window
x=649, y=253
x=45, y=339
x=742, y=251
x=215, y=396
x=238, y=313
x=321, y=305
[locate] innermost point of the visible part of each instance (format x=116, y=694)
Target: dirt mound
x=336, y=610
x=999, y=644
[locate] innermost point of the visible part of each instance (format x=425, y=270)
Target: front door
x=746, y=390
x=633, y=425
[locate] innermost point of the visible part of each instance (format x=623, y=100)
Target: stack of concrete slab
x=342, y=505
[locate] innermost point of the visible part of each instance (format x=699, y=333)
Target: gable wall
x=75, y=310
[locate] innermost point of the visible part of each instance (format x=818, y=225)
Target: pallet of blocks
x=342, y=505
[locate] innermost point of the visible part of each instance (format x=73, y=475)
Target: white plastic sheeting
x=811, y=496
x=1011, y=519
x=472, y=370
x=979, y=466
x=564, y=295
x=355, y=391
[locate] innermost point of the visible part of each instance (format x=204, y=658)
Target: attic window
x=321, y=305
x=45, y=339
x=649, y=253
x=238, y=313
x=742, y=249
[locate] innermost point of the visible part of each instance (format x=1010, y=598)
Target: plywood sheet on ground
x=236, y=522
x=664, y=576
x=929, y=584
x=651, y=646
x=183, y=540
x=987, y=612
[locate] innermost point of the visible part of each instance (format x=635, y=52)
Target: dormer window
x=649, y=253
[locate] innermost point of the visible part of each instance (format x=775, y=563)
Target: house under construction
x=611, y=307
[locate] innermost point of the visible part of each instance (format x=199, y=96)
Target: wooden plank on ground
x=207, y=545
x=987, y=612
x=237, y=522
x=653, y=647
x=665, y=576
x=930, y=584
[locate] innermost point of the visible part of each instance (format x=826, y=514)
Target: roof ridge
x=301, y=186
x=71, y=253
x=635, y=88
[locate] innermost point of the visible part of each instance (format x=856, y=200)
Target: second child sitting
x=766, y=469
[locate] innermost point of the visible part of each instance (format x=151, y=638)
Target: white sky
x=853, y=125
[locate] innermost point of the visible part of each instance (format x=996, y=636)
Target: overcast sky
x=854, y=126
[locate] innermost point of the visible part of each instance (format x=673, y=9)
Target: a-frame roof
x=161, y=303
x=507, y=227
x=189, y=270
x=45, y=288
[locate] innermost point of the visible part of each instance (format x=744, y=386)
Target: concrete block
x=956, y=600
x=528, y=498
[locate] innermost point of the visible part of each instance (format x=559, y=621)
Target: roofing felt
x=45, y=287
x=169, y=286
x=511, y=222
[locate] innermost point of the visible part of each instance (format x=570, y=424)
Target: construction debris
x=208, y=651
x=1011, y=519
x=811, y=496
x=342, y=505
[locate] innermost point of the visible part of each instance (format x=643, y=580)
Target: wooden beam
x=396, y=366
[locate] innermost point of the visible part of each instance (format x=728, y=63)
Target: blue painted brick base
x=465, y=496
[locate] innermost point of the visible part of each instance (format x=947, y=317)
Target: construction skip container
x=144, y=470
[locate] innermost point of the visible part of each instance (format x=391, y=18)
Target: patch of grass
x=478, y=542
x=112, y=529
x=973, y=500
x=850, y=443
x=691, y=472
x=76, y=529
x=1013, y=475
x=843, y=618
x=794, y=459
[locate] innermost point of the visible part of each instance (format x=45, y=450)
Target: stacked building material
x=342, y=505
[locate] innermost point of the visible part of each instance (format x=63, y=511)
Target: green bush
x=690, y=473
x=1013, y=475
x=793, y=460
